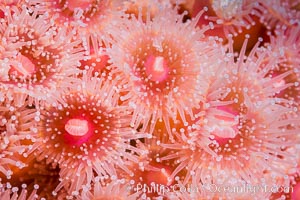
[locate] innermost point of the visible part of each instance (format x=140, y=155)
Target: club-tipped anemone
x=89, y=19
x=229, y=126
x=39, y=58
x=17, y=124
x=262, y=133
x=285, y=51
x=244, y=79
x=167, y=73
x=117, y=189
x=279, y=12
x=86, y=133
x=232, y=129
x=228, y=17
x=289, y=185
x=239, y=84
x=151, y=174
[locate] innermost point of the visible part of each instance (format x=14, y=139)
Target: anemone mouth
x=25, y=67
x=227, y=144
x=80, y=124
x=293, y=91
x=77, y=127
x=155, y=69
x=33, y=68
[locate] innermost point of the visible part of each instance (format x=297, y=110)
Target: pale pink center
x=77, y=127
x=225, y=127
x=83, y=4
x=23, y=66
x=156, y=68
x=296, y=192
x=279, y=84
x=225, y=131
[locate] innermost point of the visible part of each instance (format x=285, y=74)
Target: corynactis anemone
x=285, y=46
x=37, y=58
x=290, y=184
x=232, y=17
x=142, y=100
x=16, y=126
x=88, y=18
x=231, y=135
x=279, y=12
x=167, y=73
x=243, y=80
x=117, y=189
x=151, y=173
x=86, y=133
x=258, y=146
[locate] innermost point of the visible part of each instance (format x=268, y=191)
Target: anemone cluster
x=161, y=99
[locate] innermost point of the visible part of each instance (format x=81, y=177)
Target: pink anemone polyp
x=37, y=57
x=167, y=73
x=80, y=123
x=86, y=133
